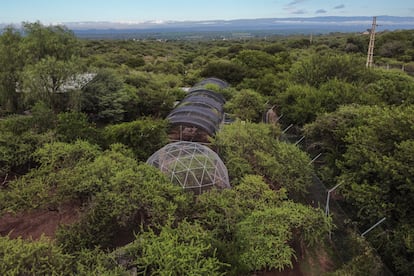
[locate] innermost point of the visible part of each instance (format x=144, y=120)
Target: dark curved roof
x=207, y=93
x=200, y=111
x=206, y=101
x=220, y=83
x=199, y=122
x=201, y=108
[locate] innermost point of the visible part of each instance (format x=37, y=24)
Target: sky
x=60, y=11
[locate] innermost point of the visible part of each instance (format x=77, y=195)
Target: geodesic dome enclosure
x=193, y=166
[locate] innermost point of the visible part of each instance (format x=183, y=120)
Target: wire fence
x=343, y=236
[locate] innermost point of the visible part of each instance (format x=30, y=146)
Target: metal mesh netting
x=192, y=166
x=220, y=83
x=203, y=109
x=199, y=115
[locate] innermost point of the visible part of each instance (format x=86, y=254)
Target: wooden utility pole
x=370, y=56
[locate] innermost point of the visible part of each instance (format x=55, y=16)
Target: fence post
x=316, y=157
x=373, y=226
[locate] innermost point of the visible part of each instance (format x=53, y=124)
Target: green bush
x=74, y=125
x=97, y=262
x=246, y=105
x=104, y=99
x=60, y=155
x=364, y=261
x=34, y=189
x=237, y=142
x=21, y=135
x=16, y=151
x=225, y=70
x=185, y=250
x=219, y=211
x=321, y=67
x=285, y=165
x=20, y=257
x=144, y=136
x=43, y=257
x=120, y=195
x=264, y=236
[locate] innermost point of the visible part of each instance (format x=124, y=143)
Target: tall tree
x=51, y=63
x=49, y=80
x=41, y=41
x=11, y=65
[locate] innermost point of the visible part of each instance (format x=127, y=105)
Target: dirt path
x=32, y=224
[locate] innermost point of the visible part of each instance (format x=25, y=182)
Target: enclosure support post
x=373, y=226
x=328, y=197
x=300, y=140
x=314, y=159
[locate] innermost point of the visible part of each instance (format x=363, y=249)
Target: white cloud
x=321, y=11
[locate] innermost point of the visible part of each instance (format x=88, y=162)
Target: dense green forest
x=76, y=150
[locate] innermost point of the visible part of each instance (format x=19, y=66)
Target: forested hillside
x=79, y=118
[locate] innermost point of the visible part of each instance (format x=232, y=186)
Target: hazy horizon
x=158, y=11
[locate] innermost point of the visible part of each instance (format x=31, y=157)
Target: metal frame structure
x=201, y=109
x=220, y=83
x=193, y=166
x=370, y=55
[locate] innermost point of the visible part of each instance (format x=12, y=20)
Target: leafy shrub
x=281, y=164
x=225, y=70
x=42, y=257
x=97, y=262
x=74, y=125
x=185, y=250
x=392, y=88
x=237, y=142
x=321, y=67
x=256, y=62
x=144, y=137
x=247, y=105
x=263, y=236
x=21, y=135
x=60, y=155
x=34, y=189
x=121, y=195
x=16, y=151
x=104, y=98
x=219, y=211
x=364, y=261
x=19, y=257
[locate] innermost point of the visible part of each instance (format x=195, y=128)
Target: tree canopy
x=78, y=117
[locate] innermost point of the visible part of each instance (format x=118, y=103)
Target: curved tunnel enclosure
x=207, y=93
x=185, y=120
x=220, y=83
x=193, y=166
x=202, y=100
x=199, y=114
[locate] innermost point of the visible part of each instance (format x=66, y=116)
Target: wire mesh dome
x=193, y=166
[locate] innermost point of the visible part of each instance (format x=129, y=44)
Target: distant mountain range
x=294, y=25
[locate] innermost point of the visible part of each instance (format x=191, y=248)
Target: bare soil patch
x=35, y=223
